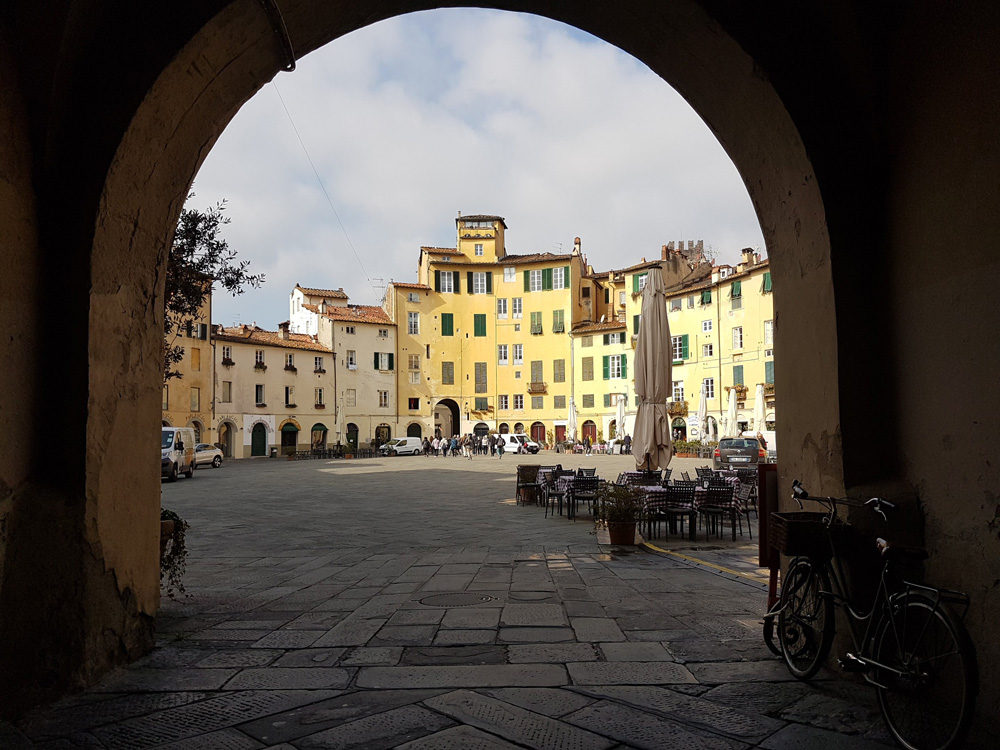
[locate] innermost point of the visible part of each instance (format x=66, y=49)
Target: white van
x=177, y=452
x=512, y=443
x=404, y=446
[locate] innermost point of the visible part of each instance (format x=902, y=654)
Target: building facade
x=188, y=399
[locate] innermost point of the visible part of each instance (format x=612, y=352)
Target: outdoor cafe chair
x=718, y=501
x=678, y=505
x=703, y=472
x=749, y=477
x=586, y=472
x=584, y=489
x=555, y=489
x=527, y=484
x=685, y=476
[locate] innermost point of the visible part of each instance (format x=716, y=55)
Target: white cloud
x=419, y=117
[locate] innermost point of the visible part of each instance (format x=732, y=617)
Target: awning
x=319, y=427
x=289, y=428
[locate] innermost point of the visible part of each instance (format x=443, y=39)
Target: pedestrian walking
x=628, y=444
x=500, y=446
x=493, y=445
x=467, y=447
x=586, y=445
x=454, y=445
x=436, y=445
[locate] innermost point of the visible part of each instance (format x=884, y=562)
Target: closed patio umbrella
x=571, y=421
x=651, y=442
x=703, y=415
x=730, y=425
x=758, y=408
x=620, y=417
x=341, y=431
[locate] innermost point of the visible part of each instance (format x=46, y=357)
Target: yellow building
x=188, y=399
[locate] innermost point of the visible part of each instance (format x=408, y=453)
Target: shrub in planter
x=620, y=509
x=173, y=552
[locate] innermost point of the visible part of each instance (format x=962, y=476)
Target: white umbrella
x=730, y=424
x=341, y=434
x=758, y=408
x=653, y=354
x=571, y=421
x=620, y=417
x=703, y=415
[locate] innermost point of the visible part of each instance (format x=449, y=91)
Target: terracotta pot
x=166, y=531
x=622, y=533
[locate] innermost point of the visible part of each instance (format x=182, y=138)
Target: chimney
x=663, y=252
x=322, y=307
x=283, y=330
x=576, y=246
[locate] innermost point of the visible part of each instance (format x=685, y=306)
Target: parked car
x=207, y=454
x=734, y=453
x=404, y=446
x=512, y=443
x=177, y=452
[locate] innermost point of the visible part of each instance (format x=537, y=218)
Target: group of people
x=465, y=445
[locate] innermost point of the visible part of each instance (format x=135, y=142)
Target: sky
x=335, y=175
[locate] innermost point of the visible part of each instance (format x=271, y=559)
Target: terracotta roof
x=441, y=250
x=533, y=258
x=706, y=283
x=481, y=217
x=354, y=314
x=328, y=293
x=640, y=266
x=613, y=325
x=401, y=285
x=253, y=335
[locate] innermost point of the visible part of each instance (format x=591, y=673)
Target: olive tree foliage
x=199, y=258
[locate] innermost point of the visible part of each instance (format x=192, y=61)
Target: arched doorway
x=519, y=428
x=612, y=429
x=769, y=421
x=199, y=430
x=504, y=428
x=679, y=429
x=226, y=432
x=481, y=429
x=166, y=423
x=538, y=433
x=258, y=440
x=318, y=436
x=352, y=436
x=289, y=438
x=382, y=435
x=414, y=430
x=712, y=431
x=742, y=423
x=447, y=418
x=589, y=430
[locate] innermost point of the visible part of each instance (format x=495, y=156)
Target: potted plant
x=173, y=552
x=620, y=508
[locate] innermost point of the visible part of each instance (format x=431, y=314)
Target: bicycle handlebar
x=877, y=504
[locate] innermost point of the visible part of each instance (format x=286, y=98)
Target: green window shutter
x=469, y=278
x=489, y=282
x=527, y=281
x=737, y=289
x=767, y=281
x=706, y=297
x=635, y=284
x=607, y=366
x=481, y=403
x=546, y=279
x=635, y=325
x=447, y=324
x=437, y=281
x=685, y=352
x=624, y=368
x=607, y=400
x=390, y=360
x=607, y=340
x=566, y=284
x=376, y=360
x=737, y=374
x=607, y=295
x=480, y=325
x=769, y=372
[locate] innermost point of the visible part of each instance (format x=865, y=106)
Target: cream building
x=274, y=390
x=187, y=400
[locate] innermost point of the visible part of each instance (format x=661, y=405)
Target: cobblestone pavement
x=410, y=603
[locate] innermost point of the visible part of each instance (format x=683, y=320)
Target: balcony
x=536, y=387
x=677, y=408
x=260, y=366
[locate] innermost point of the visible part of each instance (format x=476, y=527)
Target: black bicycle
x=908, y=642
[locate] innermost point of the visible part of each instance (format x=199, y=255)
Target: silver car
x=205, y=454
x=739, y=452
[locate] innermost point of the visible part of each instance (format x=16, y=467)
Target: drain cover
x=456, y=600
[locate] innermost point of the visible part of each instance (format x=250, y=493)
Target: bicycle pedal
x=851, y=663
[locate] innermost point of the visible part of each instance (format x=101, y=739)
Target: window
x=227, y=391
x=479, y=248
x=480, y=377
x=447, y=324
x=706, y=297
x=289, y=395
x=613, y=338
x=516, y=308
x=196, y=399
x=738, y=375
x=635, y=324
x=482, y=403
x=585, y=292
x=352, y=359
x=518, y=402
x=195, y=359
x=258, y=356
x=558, y=402
x=448, y=373
x=559, y=371
x=518, y=354
x=706, y=326
x=588, y=400
x=413, y=297
x=639, y=281
x=349, y=330
x=444, y=281
x=510, y=274
x=766, y=286
x=738, y=337
x=479, y=326
x=318, y=364
x=768, y=333
x=413, y=403
x=413, y=323
x=621, y=298
x=502, y=309
x=414, y=378
x=615, y=367
x=383, y=399
x=588, y=368
x=709, y=386
x=675, y=305
x=587, y=341
x=707, y=350
x=769, y=372
x=383, y=361
x=537, y=402
x=502, y=403
x=536, y=371
x=607, y=400
x=534, y=281
x=383, y=333
x=737, y=303
x=166, y=397
x=558, y=321
x=517, y=375
x=691, y=302
x=227, y=354
x=536, y=322
x=517, y=327
x=678, y=390
x=414, y=362
x=679, y=347
x=560, y=279
x=318, y=395
x=501, y=354
x=480, y=283
x=350, y=397
x=259, y=394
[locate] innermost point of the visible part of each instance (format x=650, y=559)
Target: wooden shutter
x=447, y=324
x=437, y=281
x=737, y=374
x=546, y=279
x=489, y=282
x=607, y=399
x=635, y=325
x=480, y=324
x=607, y=339
x=706, y=297
x=527, y=281
x=737, y=289
x=685, y=352
x=566, y=284
x=635, y=284
x=607, y=295
x=469, y=278
x=769, y=372
x=607, y=367
x=390, y=361
x=376, y=360
x=767, y=281
x=624, y=368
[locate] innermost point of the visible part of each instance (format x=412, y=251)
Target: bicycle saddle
x=892, y=551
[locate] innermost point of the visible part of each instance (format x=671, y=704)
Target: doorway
x=352, y=436
x=538, y=433
x=289, y=439
x=258, y=440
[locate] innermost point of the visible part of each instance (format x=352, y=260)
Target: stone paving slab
x=644, y=730
x=593, y=629
x=515, y=723
x=452, y=655
x=165, y=680
x=281, y=678
x=629, y=673
x=551, y=653
x=459, y=738
x=464, y=637
x=487, y=675
x=535, y=635
x=554, y=702
x=796, y=736
x=630, y=651
x=385, y=730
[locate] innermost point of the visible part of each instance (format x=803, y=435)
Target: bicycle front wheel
x=805, y=621
x=928, y=683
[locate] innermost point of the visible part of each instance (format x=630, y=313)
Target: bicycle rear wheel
x=927, y=689
x=805, y=622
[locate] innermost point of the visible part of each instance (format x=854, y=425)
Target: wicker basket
x=803, y=533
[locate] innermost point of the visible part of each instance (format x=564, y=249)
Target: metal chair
x=718, y=502
x=527, y=484
x=679, y=504
x=555, y=491
x=583, y=489
x=586, y=472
